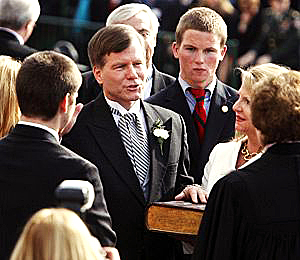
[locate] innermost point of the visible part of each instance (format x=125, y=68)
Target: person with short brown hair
x=33, y=162
x=200, y=46
x=140, y=149
x=146, y=23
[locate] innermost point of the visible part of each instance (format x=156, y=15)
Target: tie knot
x=130, y=117
x=198, y=92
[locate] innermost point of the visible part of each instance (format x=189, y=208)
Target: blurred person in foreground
x=17, y=21
x=254, y=212
x=9, y=108
x=55, y=234
x=32, y=161
x=229, y=156
x=145, y=22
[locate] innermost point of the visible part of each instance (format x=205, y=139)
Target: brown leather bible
x=174, y=217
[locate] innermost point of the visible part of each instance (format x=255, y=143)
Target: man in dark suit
x=118, y=56
x=145, y=22
x=32, y=161
x=200, y=45
x=17, y=21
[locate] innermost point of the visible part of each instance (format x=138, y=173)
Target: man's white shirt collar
x=136, y=109
x=148, y=83
x=211, y=86
x=18, y=36
x=46, y=128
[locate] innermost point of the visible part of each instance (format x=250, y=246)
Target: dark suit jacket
x=96, y=137
x=90, y=88
x=32, y=165
x=219, y=125
x=254, y=213
x=9, y=45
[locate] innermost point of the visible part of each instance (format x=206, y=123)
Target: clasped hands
x=194, y=193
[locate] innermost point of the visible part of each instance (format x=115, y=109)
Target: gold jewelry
x=246, y=154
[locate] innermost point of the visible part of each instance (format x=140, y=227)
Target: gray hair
x=125, y=12
x=16, y=13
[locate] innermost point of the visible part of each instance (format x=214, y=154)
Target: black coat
x=10, y=46
x=254, y=213
x=96, y=137
x=219, y=125
x=32, y=165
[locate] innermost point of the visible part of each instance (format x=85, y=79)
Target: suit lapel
x=157, y=81
x=159, y=159
x=108, y=138
x=176, y=101
x=217, y=116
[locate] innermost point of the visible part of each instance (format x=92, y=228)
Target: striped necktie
x=199, y=113
x=135, y=142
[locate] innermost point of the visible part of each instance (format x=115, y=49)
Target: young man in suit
x=32, y=161
x=145, y=22
x=118, y=56
x=200, y=45
x=17, y=21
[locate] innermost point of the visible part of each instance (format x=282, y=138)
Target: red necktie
x=199, y=113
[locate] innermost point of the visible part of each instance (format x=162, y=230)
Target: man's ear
x=64, y=104
x=27, y=29
x=223, y=52
x=98, y=74
x=175, y=50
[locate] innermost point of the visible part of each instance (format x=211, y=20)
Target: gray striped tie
x=136, y=144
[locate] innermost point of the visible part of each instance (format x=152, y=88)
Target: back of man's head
x=45, y=78
x=16, y=13
x=127, y=11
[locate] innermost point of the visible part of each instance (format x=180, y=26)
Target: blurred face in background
x=141, y=23
x=249, y=6
x=280, y=6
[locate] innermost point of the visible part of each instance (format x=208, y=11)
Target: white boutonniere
x=161, y=133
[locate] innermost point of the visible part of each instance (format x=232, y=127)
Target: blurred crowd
x=259, y=31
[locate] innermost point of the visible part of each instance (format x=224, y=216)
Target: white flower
x=161, y=133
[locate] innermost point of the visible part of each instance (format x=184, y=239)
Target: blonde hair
x=56, y=234
x=255, y=74
x=9, y=108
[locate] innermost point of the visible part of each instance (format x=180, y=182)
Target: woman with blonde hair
x=254, y=213
x=56, y=234
x=227, y=157
x=9, y=108
x=230, y=156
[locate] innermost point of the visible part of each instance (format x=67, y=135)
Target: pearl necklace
x=246, y=154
